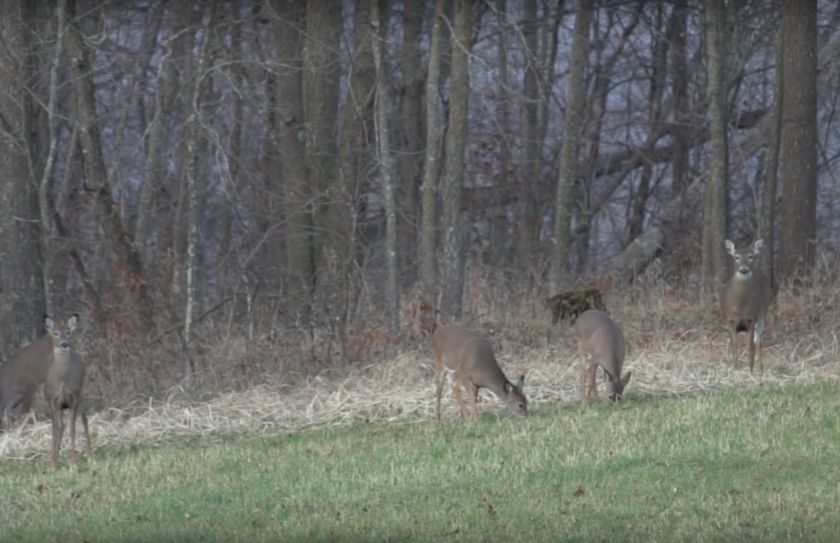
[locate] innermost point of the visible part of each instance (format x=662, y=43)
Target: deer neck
x=61, y=357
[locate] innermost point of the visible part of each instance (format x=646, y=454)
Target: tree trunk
x=298, y=194
x=799, y=139
x=320, y=101
x=196, y=186
x=410, y=132
x=498, y=258
x=116, y=234
x=357, y=155
x=23, y=303
x=44, y=205
x=679, y=69
x=387, y=170
x=716, y=203
x=529, y=179
x=454, y=258
x=432, y=165
x=156, y=141
x=572, y=125
x=767, y=216
x=656, y=91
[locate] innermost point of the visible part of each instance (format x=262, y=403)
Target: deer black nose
x=64, y=344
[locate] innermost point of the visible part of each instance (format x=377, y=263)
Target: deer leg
x=751, y=348
x=472, y=395
x=758, y=334
x=83, y=413
x=74, y=412
x=733, y=345
x=440, y=378
x=57, y=430
x=589, y=375
x=456, y=391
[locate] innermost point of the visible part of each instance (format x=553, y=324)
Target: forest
x=230, y=192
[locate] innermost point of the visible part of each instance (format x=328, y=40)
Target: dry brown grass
x=675, y=347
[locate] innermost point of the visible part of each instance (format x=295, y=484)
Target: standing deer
x=601, y=343
x=744, y=302
x=470, y=358
x=50, y=362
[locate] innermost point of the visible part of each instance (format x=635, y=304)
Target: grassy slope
x=760, y=465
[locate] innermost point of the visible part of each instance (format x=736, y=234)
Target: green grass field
x=757, y=465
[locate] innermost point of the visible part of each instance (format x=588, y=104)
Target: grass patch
x=757, y=465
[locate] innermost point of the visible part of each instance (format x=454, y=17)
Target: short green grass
x=758, y=465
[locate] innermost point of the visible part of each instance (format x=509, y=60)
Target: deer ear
x=759, y=243
x=521, y=381
x=73, y=321
x=508, y=387
x=730, y=247
x=48, y=323
x=626, y=379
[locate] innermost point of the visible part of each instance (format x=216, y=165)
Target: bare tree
x=387, y=169
x=116, y=234
x=572, y=125
x=716, y=207
x=195, y=184
x=156, y=140
x=432, y=160
x=798, y=210
x=454, y=259
x=679, y=82
x=320, y=100
x=528, y=219
x=767, y=217
x=298, y=194
x=409, y=134
x=23, y=302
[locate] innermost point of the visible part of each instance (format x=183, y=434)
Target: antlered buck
x=744, y=302
x=51, y=362
x=601, y=343
x=469, y=357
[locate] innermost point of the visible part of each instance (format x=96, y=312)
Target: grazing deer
x=744, y=302
x=601, y=343
x=470, y=358
x=50, y=362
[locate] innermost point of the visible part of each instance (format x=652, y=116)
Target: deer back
x=600, y=338
x=468, y=353
x=25, y=370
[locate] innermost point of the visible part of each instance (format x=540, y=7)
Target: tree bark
x=799, y=139
x=679, y=82
x=320, y=101
x=156, y=141
x=528, y=219
x=767, y=216
x=572, y=125
x=298, y=194
x=44, y=207
x=23, y=300
x=716, y=204
x=432, y=163
x=196, y=186
x=387, y=170
x=454, y=259
x=116, y=234
x=498, y=257
x=410, y=134
x=357, y=151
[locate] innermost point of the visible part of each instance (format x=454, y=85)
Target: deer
x=469, y=357
x=51, y=362
x=744, y=302
x=601, y=343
